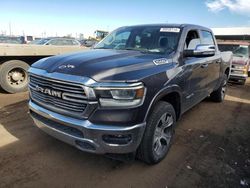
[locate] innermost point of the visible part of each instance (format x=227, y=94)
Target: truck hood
x=240, y=60
x=104, y=65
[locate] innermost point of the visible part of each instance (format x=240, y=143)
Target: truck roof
x=173, y=25
x=58, y=38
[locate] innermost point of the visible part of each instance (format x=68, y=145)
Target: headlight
x=119, y=97
x=239, y=66
x=126, y=94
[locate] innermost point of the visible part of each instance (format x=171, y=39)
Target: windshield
x=148, y=39
x=34, y=41
x=241, y=51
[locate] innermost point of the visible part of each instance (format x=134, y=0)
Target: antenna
x=10, y=28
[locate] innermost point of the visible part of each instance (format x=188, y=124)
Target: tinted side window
x=207, y=38
x=54, y=42
x=65, y=42
x=74, y=42
x=61, y=42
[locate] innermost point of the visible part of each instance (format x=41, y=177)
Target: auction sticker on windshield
x=172, y=29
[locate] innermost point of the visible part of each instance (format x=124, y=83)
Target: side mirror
x=201, y=50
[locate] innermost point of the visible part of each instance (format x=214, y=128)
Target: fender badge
x=160, y=61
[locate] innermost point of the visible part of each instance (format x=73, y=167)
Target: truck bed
x=36, y=50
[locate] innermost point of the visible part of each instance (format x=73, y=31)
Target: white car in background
x=56, y=42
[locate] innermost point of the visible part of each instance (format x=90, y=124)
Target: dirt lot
x=211, y=149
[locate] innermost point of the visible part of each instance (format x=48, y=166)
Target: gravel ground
x=211, y=149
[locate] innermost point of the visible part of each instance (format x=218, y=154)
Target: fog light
x=117, y=139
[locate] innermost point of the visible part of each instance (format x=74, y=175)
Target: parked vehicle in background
x=56, y=42
x=15, y=60
x=89, y=42
x=240, y=65
x=34, y=41
x=92, y=41
x=125, y=95
x=99, y=34
x=11, y=40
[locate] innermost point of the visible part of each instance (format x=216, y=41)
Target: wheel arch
x=171, y=94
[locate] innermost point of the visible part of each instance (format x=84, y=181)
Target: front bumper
x=85, y=135
x=238, y=76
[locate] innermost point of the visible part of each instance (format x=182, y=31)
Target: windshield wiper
x=101, y=48
x=130, y=49
x=137, y=49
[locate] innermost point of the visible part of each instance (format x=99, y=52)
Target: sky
x=72, y=17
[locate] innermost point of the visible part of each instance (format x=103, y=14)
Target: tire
x=14, y=76
x=158, y=135
x=219, y=94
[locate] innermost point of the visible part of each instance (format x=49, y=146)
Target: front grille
x=72, y=97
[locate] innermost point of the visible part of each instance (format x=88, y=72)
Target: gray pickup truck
x=240, y=69
x=125, y=95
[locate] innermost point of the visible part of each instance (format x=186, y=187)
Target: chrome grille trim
x=67, y=98
x=73, y=99
x=56, y=101
x=57, y=85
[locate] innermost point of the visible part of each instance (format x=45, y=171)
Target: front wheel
x=219, y=94
x=158, y=135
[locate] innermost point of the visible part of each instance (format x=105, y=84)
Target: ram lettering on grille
x=49, y=91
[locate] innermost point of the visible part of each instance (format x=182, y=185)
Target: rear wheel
x=220, y=93
x=158, y=135
x=13, y=76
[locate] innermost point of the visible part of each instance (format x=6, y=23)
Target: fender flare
x=160, y=94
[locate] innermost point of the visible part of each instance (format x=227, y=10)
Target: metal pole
x=10, y=28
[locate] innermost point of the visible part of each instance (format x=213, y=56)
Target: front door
x=196, y=73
